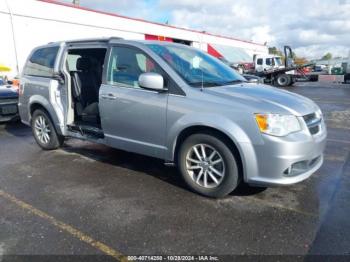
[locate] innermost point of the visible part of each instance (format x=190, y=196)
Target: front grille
x=309, y=117
x=314, y=130
x=6, y=101
x=313, y=123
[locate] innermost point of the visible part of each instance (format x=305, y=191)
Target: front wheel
x=208, y=166
x=44, y=131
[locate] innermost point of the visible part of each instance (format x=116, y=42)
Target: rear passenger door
x=132, y=118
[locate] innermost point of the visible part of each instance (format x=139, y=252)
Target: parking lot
x=90, y=199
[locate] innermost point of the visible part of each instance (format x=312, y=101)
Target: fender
x=58, y=121
x=220, y=123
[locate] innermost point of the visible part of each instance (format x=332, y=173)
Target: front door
x=132, y=118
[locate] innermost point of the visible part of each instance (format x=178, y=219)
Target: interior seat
x=85, y=90
x=128, y=68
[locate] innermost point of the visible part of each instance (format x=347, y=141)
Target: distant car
x=319, y=68
x=8, y=103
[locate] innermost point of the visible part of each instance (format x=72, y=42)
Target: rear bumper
x=284, y=161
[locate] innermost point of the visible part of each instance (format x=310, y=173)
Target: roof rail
x=86, y=40
x=115, y=38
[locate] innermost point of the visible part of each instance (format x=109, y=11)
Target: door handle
x=109, y=96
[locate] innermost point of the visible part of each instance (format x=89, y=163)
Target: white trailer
x=29, y=23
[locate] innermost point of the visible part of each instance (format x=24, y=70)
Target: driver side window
x=126, y=64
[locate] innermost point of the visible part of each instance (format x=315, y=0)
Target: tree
x=300, y=60
x=327, y=56
x=275, y=51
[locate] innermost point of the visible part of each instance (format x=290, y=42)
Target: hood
x=8, y=92
x=266, y=99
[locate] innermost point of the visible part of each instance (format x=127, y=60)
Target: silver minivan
x=172, y=102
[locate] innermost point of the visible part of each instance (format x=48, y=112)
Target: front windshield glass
x=278, y=61
x=196, y=67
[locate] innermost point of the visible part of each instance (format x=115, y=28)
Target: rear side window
x=260, y=61
x=42, y=62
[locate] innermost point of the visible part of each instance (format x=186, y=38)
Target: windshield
x=278, y=61
x=196, y=67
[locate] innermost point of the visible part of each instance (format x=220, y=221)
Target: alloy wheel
x=205, y=165
x=42, y=129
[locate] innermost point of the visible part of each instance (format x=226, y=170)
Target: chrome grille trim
x=313, y=123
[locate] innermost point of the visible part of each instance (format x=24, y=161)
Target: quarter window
x=127, y=64
x=72, y=62
x=260, y=61
x=42, y=62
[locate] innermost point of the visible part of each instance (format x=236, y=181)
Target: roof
x=108, y=40
x=142, y=20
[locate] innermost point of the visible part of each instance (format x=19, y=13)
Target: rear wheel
x=284, y=80
x=44, y=131
x=208, y=166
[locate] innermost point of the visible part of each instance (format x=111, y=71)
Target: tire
x=224, y=184
x=49, y=139
x=292, y=82
x=284, y=80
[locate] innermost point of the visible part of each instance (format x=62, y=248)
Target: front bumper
x=8, y=109
x=285, y=160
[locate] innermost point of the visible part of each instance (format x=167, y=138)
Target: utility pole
x=76, y=2
x=13, y=36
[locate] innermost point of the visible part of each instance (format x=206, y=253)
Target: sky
x=312, y=28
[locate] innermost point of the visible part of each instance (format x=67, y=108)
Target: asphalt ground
x=87, y=199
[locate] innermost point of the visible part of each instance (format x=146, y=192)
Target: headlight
x=277, y=125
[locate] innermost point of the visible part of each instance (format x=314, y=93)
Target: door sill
x=87, y=130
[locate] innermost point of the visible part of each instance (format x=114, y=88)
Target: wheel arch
x=202, y=129
x=37, y=104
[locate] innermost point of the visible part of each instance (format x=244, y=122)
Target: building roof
x=142, y=20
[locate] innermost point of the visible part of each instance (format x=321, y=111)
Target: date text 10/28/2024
x=172, y=258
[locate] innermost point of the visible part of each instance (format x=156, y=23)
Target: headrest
x=83, y=63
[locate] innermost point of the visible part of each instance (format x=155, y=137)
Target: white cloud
x=311, y=27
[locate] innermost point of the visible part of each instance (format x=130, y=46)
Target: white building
x=29, y=23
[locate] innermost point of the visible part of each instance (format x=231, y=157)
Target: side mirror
x=10, y=82
x=152, y=81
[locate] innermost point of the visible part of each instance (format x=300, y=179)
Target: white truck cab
x=267, y=62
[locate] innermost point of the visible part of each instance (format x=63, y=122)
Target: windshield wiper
x=233, y=82
x=205, y=84
x=210, y=84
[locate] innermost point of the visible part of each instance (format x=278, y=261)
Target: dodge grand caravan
x=175, y=103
